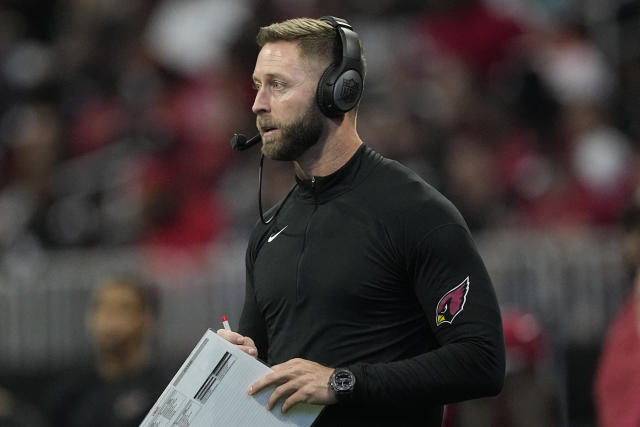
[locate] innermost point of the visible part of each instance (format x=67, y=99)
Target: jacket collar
x=323, y=188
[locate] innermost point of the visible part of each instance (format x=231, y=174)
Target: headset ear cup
x=324, y=93
x=347, y=91
x=340, y=86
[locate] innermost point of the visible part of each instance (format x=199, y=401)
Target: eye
x=277, y=85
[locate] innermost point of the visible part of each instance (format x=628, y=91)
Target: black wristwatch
x=342, y=382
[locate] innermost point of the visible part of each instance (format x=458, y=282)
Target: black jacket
x=372, y=269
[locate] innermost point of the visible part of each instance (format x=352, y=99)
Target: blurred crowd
x=121, y=382
x=115, y=115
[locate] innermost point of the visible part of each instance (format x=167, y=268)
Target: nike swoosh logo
x=273, y=236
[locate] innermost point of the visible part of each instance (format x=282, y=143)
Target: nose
x=261, y=104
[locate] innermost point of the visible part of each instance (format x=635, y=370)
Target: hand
x=245, y=344
x=297, y=380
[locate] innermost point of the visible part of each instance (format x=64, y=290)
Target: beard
x=295, y=137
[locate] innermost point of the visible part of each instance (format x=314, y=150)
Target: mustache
x=263, y=123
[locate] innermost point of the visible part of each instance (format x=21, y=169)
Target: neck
x=116, y=365
x=330, y=153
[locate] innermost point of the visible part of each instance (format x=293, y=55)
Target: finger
x=248, y=342
x=245, y=343
x=271, y=379
x=299, y=396
x=250, y=347
x=232, y=337
x=281, y=392
x=241, y=340
x=251, y=351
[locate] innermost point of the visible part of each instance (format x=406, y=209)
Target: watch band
x=342, y=382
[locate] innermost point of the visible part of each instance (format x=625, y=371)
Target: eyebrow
x=269, y=76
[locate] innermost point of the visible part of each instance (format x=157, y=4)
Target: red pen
x=225, y=323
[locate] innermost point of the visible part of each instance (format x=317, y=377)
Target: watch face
x=343, y=380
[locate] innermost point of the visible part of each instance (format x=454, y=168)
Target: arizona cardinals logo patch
x=452, y=303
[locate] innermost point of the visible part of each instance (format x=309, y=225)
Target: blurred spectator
x=478, y=35
x=29, y=133
x=527, y=399
x=627, y=101
x=594, y=164
x=124, y=383
x=190, y=36
x=129, y=108
x=617, y=384
x=16, y=413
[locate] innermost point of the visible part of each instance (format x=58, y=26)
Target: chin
x=271, y=149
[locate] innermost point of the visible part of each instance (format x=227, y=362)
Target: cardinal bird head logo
x=452, y=303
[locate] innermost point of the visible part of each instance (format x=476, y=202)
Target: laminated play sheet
x=210, y=389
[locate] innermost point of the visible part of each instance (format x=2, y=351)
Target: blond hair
x=316, y=38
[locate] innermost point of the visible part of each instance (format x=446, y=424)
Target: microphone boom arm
x=239, y=142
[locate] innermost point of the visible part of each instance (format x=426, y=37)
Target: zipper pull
x=313, y=190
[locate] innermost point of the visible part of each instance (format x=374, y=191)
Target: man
x=365, y=292
x=123, y=385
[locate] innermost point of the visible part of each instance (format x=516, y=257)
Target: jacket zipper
x=305, y=242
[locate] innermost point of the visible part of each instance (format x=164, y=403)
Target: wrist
x=342, y=384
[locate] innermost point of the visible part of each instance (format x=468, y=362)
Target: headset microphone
x=239, y=142
x=339, y=91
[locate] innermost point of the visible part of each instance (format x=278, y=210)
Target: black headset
x=340, y=87
x=339, y=91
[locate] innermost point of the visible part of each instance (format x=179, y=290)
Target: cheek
x=114, y=324
x=294, y=102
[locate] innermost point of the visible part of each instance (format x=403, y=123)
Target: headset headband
x=340, y=87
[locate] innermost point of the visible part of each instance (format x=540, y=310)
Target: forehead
x=116, y=293
x=281, y=57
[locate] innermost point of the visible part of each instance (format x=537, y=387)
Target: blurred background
x=115, y=119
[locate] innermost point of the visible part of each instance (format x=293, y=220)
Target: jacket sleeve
x=251, y=320
x=460, y=306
